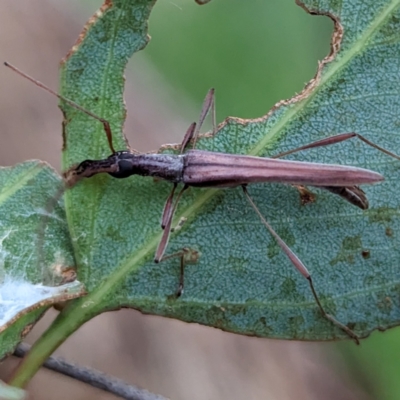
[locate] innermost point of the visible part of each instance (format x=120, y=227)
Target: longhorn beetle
x=201, y=168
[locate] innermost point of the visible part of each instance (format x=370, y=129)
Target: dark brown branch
x=92, y=377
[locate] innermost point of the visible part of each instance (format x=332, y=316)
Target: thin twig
x=92, y=377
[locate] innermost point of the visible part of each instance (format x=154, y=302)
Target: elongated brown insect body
x=207, y=169
x=210, y=169
x=218, y=170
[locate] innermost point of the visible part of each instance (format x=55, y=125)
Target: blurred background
x=254, y=53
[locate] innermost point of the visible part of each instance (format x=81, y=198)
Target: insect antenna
x=105, y=123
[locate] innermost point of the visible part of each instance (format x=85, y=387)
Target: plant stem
x=67, y=322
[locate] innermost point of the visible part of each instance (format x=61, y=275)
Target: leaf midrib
x=96, y=205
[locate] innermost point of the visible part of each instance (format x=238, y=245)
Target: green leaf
x=31, y=280
x=242, y=282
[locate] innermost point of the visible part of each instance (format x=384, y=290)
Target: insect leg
x=194, y=129
x=337, y=139
x=167, y=221
x=208, y=104
x=168, y=213
x=188, y=136
x=301, y=268
x=353, y=194
x=186, y=256
x=166, y=216
x=169, y=209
